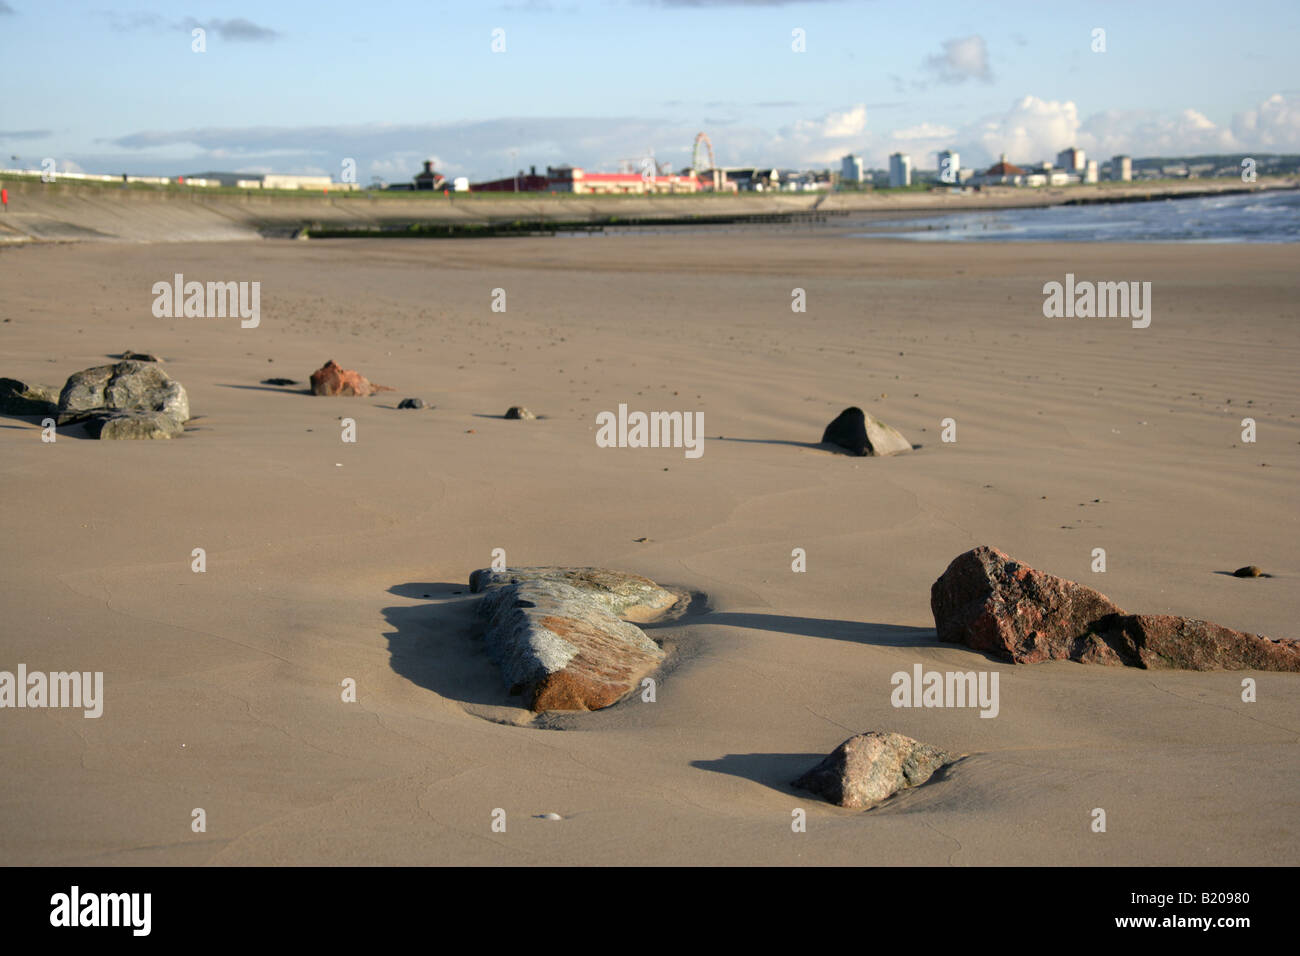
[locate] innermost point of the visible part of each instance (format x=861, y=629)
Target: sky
x=485, y=88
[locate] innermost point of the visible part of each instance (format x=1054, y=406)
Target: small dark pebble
x=412, y=403
x=1249, y=571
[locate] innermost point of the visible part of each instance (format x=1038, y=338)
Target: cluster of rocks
x=129, y=399
x=135, y=398
x=331, y=379
x=566, y=639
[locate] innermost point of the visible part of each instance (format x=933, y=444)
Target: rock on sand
x=557, y=638
x=869, y=767
x=128, y=400
x=990, y=602
x=862, y=434
x=333, y=379
x=19, y=398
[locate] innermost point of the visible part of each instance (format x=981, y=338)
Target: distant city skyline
x=297, y=87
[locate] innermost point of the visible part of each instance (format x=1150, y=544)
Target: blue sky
x=299, y=86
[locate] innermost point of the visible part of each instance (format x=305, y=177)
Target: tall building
x=851, y=169
x=1090, y=172
x=900, y=170
x=949, y=167
x=1071, y=160
x=1121, y=168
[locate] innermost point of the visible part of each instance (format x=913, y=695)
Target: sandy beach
x=328, y=560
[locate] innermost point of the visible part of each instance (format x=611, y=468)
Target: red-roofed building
x=1001, y=173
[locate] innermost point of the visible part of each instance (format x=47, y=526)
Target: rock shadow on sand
x=779, y=771
x=280, y=389
x=813, y=445
x=435, y=645
x=771, y=770
x=859, y=632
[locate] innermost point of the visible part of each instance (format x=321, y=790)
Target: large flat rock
x=627, y=596
x=991, y=602
x=560, y=646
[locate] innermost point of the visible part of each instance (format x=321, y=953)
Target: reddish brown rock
x=331, y=379
x=990, y=602
x=603, y=670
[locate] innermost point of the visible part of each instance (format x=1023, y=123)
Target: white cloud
x=817, y=141
x=850, y=122
x=1143, y=133
x=962, y=59
x=1273, y=126
x=1035, y=129
x=1031, y=130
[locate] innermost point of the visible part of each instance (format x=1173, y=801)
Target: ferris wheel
x=695, y=154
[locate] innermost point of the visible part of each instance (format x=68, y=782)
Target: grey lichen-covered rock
x=127, y=400
x=132, y=425
x=885, y=439
x=627, y=596
x=19, y=398
x=869, y=767
x=561, y=647
x=520, y=413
